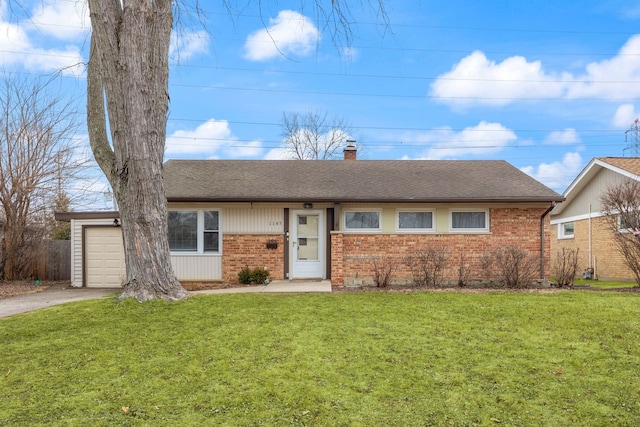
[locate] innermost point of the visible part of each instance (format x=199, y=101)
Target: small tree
x=60, y=230
x=35, y=159
x=464, y=271
x=621, y=206
x=314, y=136
x=515, y=267
x=565, y=266
x=427, y=266
x=384, y=267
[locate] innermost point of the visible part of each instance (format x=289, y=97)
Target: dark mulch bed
x=22, y=287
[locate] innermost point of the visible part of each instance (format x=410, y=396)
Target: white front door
x=307, y=244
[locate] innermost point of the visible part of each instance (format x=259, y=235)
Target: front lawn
x=606, y=284
x=360, y=359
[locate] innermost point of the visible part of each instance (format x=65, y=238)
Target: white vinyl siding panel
x=259, y=220
x=197, y=267
x=579, y=206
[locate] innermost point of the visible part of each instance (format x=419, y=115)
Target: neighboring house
x=580, y=224
x=327, y=219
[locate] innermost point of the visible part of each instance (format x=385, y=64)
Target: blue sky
x=545, y=85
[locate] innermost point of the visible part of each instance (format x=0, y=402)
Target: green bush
x=257, y=275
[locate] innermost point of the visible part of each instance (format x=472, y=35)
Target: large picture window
x=362, y=220
x=194, y=231
x=415, y=221
x=469, y=220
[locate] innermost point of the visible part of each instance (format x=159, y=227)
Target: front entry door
x=307, y=244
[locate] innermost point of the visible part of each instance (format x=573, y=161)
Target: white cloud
x=64, y=20
x=624, y=116
x=289, y=34
x=557, y=175
x=187, y=44
x=208, y=140
x=17, y=46
x=562, y=137
x=280, y=153
x=476, y=80
x=611, y=78
x=484, y=139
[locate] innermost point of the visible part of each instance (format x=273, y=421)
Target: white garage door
x=104, y=257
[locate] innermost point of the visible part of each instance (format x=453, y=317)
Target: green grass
x=606, y=284
x=361, y=359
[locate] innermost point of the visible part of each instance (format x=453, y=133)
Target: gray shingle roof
x=431, y=181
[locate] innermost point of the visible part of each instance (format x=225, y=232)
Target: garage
x=103, y=257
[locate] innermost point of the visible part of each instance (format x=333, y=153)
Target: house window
x=469, y=220
x=628, y=223
x=565, y=230
x=362, y=220
x=194, y=231
x=211, y=231
x=415, y=221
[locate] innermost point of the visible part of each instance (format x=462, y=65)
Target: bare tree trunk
x=128, y=67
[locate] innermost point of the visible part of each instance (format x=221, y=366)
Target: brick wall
x=609, y=264
x=352, y=253
x=241, y=250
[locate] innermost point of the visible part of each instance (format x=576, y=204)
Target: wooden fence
x=55, y=262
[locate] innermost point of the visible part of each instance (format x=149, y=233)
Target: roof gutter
x=361, y=200
x=542, y=217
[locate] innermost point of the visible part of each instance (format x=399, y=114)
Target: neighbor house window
x=194, y=231
x=415, y=221
x=627, y=223
x=362, y=220
x=565, y=230
x=469, y=220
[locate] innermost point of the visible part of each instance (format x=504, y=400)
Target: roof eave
x=363, y=200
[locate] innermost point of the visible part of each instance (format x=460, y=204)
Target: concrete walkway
x=277, y=286
x=55, y=295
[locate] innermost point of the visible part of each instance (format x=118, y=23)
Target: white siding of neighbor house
x=590, y=194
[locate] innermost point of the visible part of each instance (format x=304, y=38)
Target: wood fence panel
x=59, y=260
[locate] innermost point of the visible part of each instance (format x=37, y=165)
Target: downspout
x=553, y=205
x=590, y=247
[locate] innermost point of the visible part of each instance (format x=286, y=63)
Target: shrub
x=464, y=272
x=427, y=266
x=515, y=267
x=384, y=268
x=257, y=275
x=565, y=266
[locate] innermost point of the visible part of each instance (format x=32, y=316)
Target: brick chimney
x=350, y=151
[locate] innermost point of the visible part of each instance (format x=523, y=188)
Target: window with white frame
x=362, y=220
x=193, y=231
x=565, y=230
x=628, y=222
x=469, y=220
x=415, y=220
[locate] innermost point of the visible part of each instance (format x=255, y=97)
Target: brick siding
x=242, y=250
x=352, y=253
x=609, y=264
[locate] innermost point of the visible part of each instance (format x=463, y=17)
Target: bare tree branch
x=313, y=135
x=36, y=162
